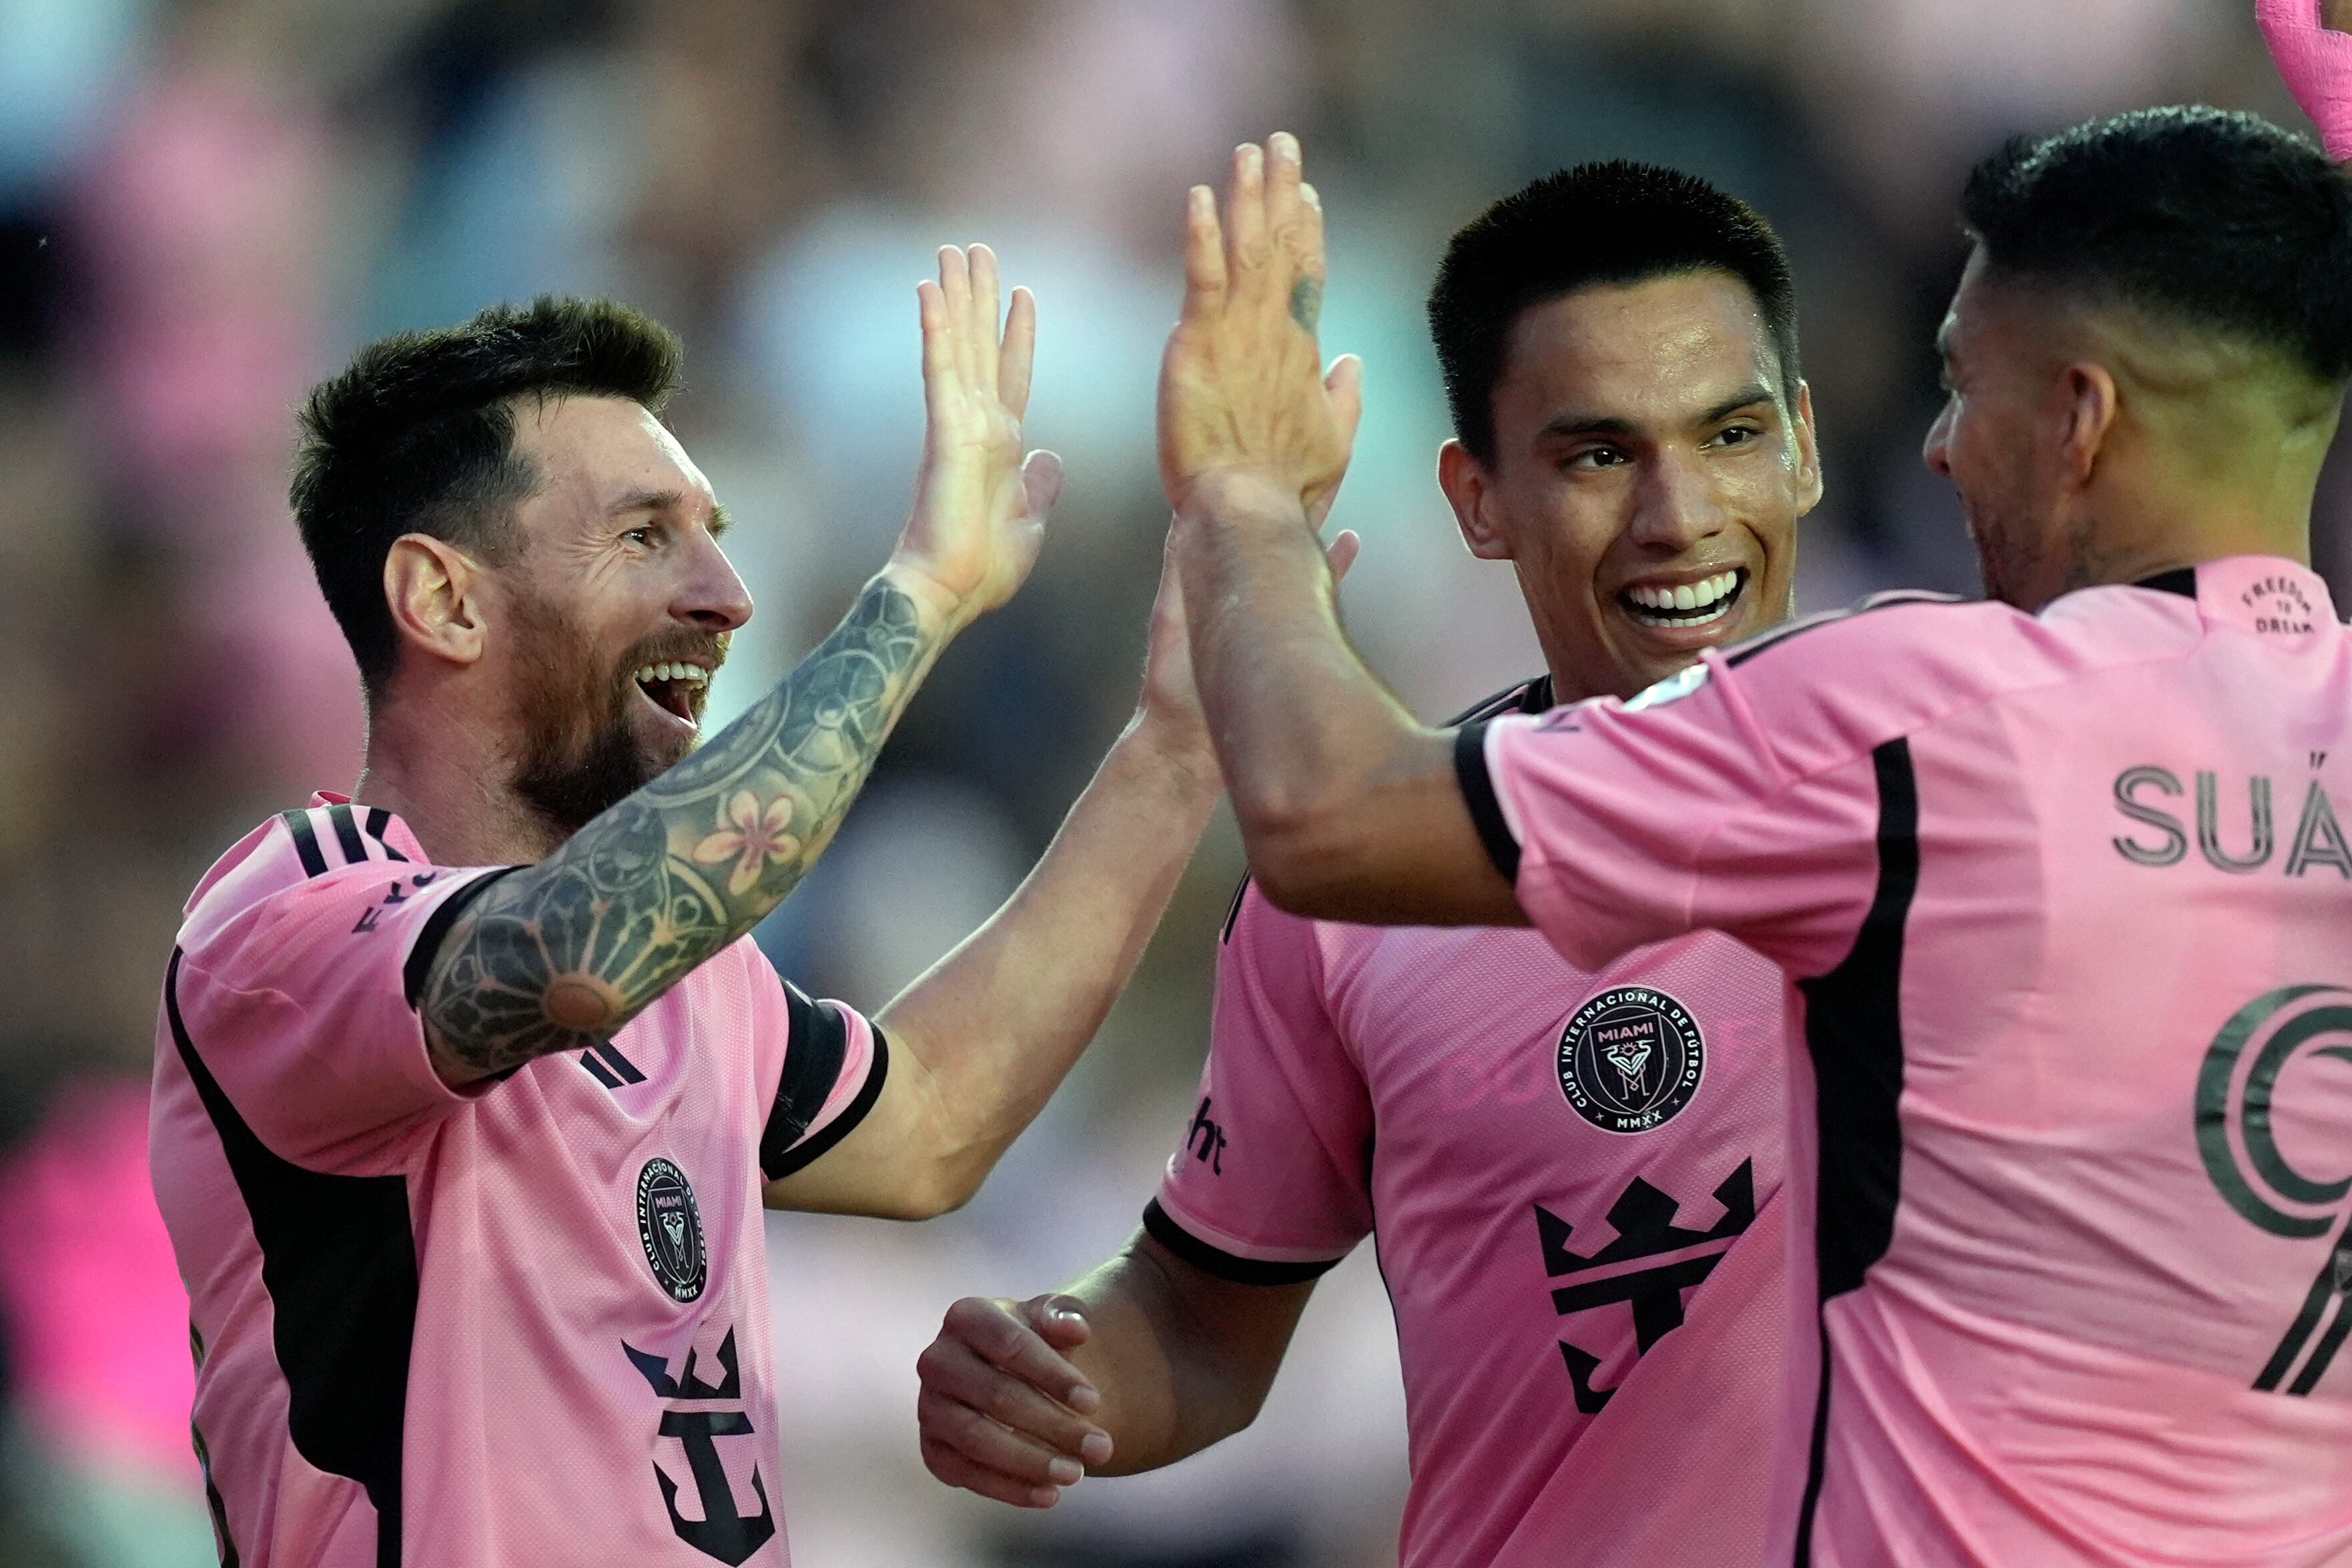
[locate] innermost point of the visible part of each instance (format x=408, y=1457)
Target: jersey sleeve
x=1271, y=1186
x=1626, y=824
x=835, y=1060
x=302, y=1010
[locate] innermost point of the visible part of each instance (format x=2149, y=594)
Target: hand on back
x=1001, y=1412
x=979, y=500
x=1241, y=387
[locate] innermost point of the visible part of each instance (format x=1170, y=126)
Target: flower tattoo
x=751, y=835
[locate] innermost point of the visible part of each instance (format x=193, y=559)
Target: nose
x=1677, y=504
x=1936, y=453
x=712, y=598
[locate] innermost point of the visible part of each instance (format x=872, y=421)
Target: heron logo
x=1629, y=1059
x=669, y=1223
x=2273, y=1052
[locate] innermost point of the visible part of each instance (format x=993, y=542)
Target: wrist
x=939, y=607
x=1244, y=498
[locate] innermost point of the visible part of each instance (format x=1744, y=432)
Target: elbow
x=934, y=1188
x=1297, y=851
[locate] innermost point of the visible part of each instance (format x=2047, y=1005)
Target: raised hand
x=1242, y=386
x=1001, y=1412
x=979, y=501
x=2311, y=42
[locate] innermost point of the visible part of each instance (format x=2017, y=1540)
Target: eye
x=1594, y=457
x=647, y=535
x=1739, y=435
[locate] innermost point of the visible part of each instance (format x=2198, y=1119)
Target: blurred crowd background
x=206, y=204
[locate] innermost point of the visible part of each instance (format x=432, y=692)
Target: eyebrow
x=671, y=501
x=1600, y=425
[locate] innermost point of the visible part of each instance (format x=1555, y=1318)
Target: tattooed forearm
x=559, y=955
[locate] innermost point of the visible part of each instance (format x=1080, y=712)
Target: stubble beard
x=580, y=756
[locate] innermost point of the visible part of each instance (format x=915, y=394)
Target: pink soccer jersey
x=1573, y=1177
x=2068, y=905
x=522, y=1324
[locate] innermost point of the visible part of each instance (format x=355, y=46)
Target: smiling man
x=1575, y=1184
x=469, y=1089
x=2059, y=879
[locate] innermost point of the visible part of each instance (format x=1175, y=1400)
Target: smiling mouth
x=677, y=689
x=1686, y=605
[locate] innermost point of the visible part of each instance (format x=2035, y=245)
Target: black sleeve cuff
x=819, y=1041
x=1478, y=793
x=419, y=967
x=1162, y=1228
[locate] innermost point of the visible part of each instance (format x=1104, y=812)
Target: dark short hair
x=1612, y=223
x=2216, y=220
x=417, y=437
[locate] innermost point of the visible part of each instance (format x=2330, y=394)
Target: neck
x=447, y=781
x=2171, y=525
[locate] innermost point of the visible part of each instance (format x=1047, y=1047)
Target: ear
x=1469, y=487
x=1808, y=452
x=436, y=593
x=2089, y=403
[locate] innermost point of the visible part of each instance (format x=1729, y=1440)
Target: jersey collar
x=379, y=825
x=2266, y=595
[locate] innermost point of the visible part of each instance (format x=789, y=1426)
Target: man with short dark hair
x=468, y=1087
x=2061, y=881
x=1575, y=1182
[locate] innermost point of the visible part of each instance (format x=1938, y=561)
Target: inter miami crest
x=1629, y=1059
x=670, y=1226
x=2265, y=1069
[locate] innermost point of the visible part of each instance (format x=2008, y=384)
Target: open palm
x=979, y=500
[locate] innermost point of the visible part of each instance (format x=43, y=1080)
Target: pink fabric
x=2088, y=1276
x=2315, y=63
x=565, y=1399
x=97, y=1320
x=1408, y=1083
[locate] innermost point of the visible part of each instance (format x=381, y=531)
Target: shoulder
x=1832, y=687
x=317, y=850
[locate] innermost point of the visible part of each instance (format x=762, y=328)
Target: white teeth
x=692, y=674
x=1711, y=598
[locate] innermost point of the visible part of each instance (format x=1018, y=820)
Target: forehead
x=1987, y=318
x=596, y=452
x=1664, y=340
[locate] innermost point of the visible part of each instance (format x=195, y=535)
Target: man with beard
x=1575, y=1184
x=2067, y=1161
x=468, y=1087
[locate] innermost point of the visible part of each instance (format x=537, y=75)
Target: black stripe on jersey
x=347, y=833
x=377, y=820
x=1162, y=1227
x=806, y=1153
x=2180, y=580
x=1853, y=1029
x=1526, y=696
x=419, y=967
x=305, y=842
x=339, y=1260
x=1763, y=641
x=1478, y=793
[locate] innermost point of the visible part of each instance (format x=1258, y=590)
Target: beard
x=581, y=751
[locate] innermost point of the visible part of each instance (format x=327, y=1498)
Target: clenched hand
x=1002, y=1412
